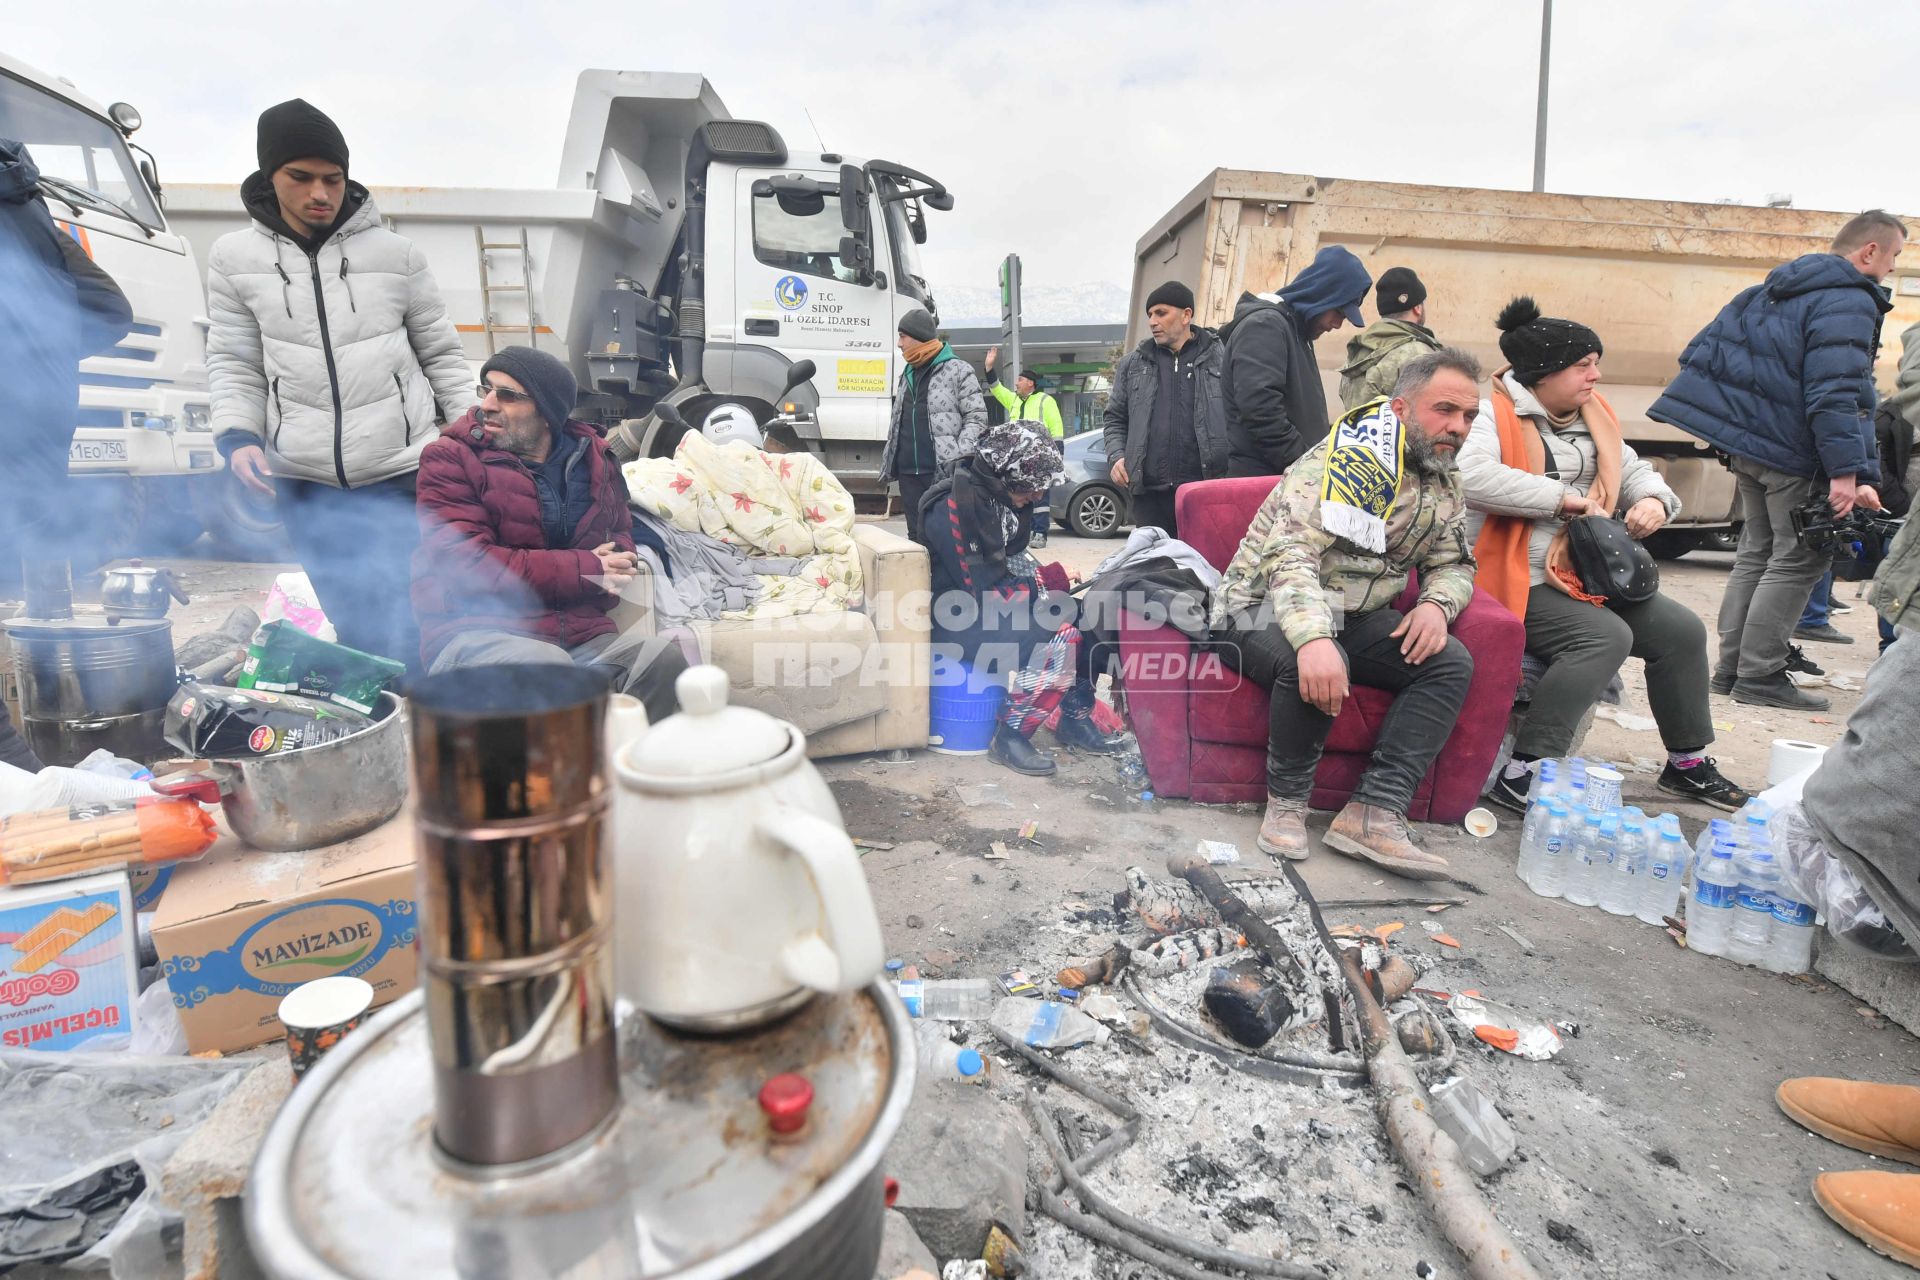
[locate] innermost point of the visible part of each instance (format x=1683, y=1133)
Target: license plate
x=97, y=451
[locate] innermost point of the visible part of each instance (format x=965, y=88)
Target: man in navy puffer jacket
x=1782, y=381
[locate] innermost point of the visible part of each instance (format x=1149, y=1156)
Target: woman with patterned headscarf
x=990, y=611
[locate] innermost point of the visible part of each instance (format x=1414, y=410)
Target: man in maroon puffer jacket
x=525, y=536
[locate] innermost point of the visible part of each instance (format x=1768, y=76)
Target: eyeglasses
x=503, y=394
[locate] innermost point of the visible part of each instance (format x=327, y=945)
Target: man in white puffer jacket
x=332, y=360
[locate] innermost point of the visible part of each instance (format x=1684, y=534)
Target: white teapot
x=739, y=893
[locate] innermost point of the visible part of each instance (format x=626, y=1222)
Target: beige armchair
x=854, y=681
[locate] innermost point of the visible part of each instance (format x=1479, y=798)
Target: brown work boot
x=1879, y=1119
x=1379, y=836
x=1283, y=829
x=1881, y=1209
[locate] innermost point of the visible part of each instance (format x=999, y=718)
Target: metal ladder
x=487, y=288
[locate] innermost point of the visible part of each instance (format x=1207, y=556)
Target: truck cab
x=144, y=422
x=822, y=260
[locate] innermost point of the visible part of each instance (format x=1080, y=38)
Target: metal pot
x=689, y=1182
x=134, y=591
x=311, y=797
x=86, y=683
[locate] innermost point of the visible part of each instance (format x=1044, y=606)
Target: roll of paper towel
x=1790, y=759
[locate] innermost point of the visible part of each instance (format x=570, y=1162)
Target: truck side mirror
x=797, y=373
x=856, y=247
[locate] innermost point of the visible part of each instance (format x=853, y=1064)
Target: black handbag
x=1610, y=564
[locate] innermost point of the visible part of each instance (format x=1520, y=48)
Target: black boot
x=1018, y=754
x=1076, y=727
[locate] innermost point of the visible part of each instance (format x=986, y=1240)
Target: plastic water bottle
x=1621, y=893
x=942, y=1059
x=1546, y=780
x=1710, y=911
x=1555, y=854
x=958, y=999
x=1590, y=860
x=1045, y=1024
x=1530, y=836
x=1791, y=949
x=1666, y=875
x=1752, y=932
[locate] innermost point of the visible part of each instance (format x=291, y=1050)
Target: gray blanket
x=1863, y=800
x=709, y=576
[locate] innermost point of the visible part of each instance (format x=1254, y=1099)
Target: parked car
x=1089, y=504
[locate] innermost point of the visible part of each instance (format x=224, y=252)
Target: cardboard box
x=68, y=972
x=240, y=928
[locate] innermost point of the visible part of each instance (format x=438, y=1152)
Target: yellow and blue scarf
x=1364, y=459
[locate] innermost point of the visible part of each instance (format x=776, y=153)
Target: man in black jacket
x=1276, y=405
x=56, y=309
x=1165, y=421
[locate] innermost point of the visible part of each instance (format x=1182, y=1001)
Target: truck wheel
x=242, y=524
x=1095, y=512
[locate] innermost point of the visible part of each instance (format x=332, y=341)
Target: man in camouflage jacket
x=1302, y=610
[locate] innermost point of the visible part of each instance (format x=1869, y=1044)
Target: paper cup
x=1603, y=788
x=318, y=1015
x=1481, y=823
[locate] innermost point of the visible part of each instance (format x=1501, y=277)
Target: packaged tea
x=214, y=722
x=284, y=659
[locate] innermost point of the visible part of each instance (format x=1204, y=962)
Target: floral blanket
x=785, y=509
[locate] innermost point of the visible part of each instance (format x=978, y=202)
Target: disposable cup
x=318, y=1015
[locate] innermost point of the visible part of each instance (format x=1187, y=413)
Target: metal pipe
x=516, y=902
x=1540, y=109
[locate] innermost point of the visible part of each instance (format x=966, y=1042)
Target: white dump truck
x=683, y=258
x=144, y=425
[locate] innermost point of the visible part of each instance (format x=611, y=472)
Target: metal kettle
x=134, y=591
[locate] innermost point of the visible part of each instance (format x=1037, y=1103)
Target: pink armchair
x=1203, y=729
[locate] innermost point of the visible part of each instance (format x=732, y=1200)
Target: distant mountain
x=1094, y=302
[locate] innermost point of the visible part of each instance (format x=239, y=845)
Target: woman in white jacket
x=1545, y=449
x=331, y=360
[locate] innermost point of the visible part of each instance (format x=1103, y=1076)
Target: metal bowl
x=314, y=796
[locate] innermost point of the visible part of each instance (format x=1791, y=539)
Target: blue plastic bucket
x=962, y=711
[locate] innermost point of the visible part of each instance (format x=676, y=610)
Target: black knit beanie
x=1031, y=376
x=296, y=130
x=918, y=325
x=1537, y=345
x=1399, y=289
x=546, y=379
x=1173, y=294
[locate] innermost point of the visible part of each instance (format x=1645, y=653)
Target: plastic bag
x=87, y=1134
x=103, y=763
x=58, y=844
x=57, y=788
x=293, y=599
x=1831, y=887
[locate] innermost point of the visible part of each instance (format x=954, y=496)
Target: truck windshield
x=79, y=150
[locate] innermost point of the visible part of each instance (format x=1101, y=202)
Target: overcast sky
x=1063, y=129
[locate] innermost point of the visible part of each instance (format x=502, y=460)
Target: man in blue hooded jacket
x=1276, y=405
x=56, y=308
x=1782, y=381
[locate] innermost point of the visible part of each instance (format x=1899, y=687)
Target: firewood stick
x=1260, y=935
